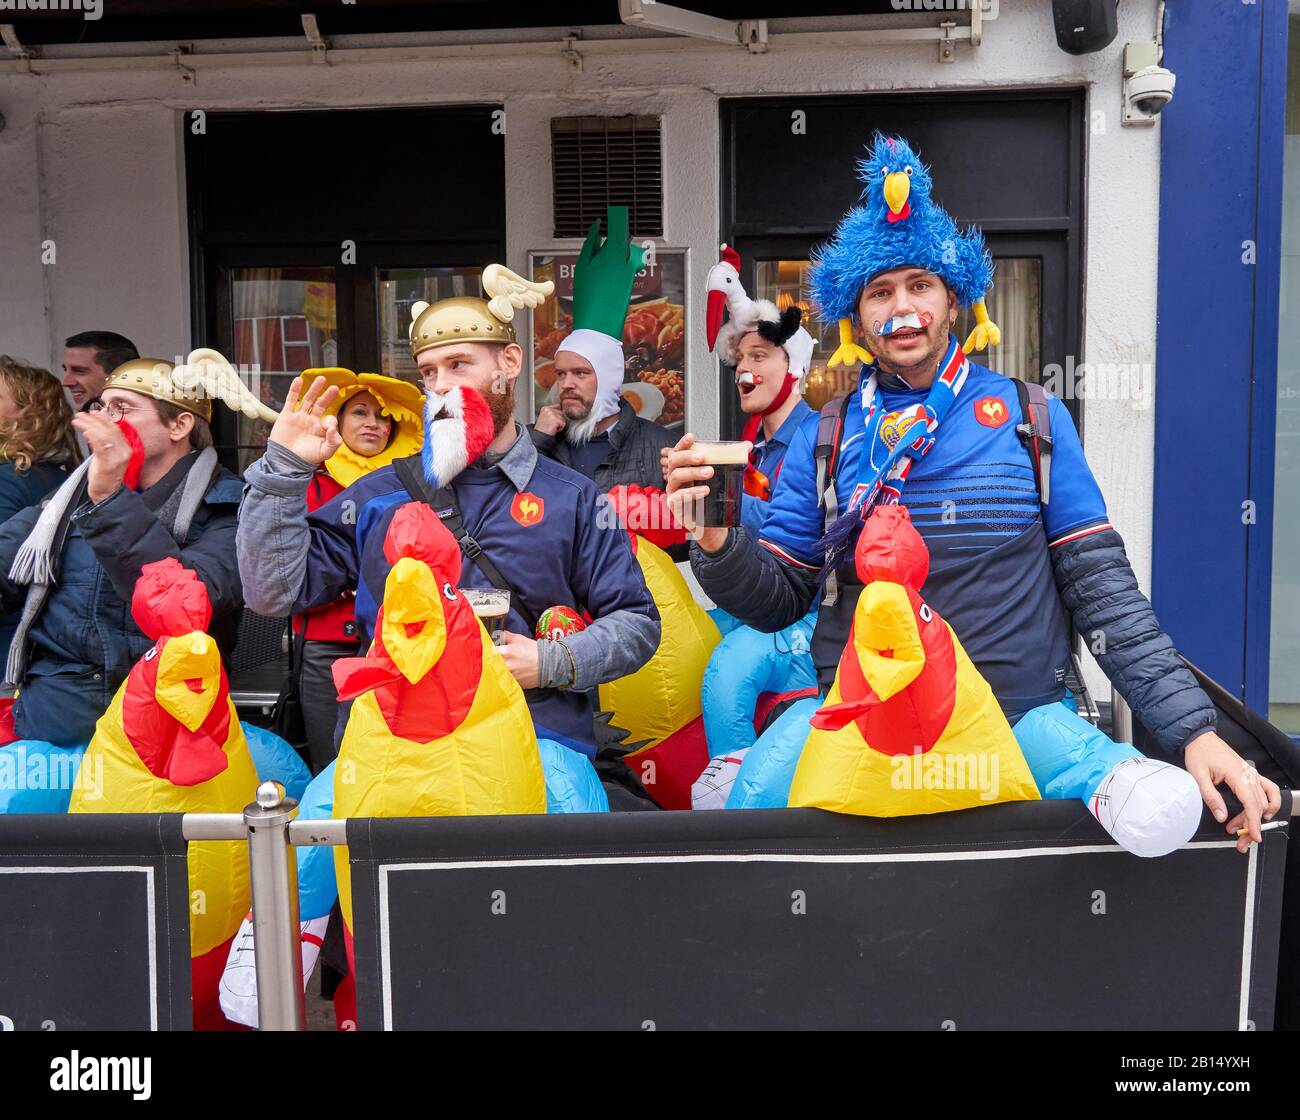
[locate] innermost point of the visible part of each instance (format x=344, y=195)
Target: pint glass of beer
x=728, y=458
x=491, y=606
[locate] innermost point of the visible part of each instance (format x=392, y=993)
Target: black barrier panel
x=94, y=923
x=1014, y=916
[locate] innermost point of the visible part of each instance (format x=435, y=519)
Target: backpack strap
x=410, y=471
x=826, y=454
x=1036, y=433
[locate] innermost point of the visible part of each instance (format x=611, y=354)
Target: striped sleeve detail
x=781, y=554
x=1076, y=534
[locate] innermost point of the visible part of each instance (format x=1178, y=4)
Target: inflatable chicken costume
x=438, y=726
x=659, y=707
x=171, y=742
x=910, y=726
x=905, y=692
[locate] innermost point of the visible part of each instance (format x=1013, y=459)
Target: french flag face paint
x=910, y=321
x=457, y=429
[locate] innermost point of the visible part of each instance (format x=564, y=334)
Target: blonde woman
x=37, y=446
x=37, y=443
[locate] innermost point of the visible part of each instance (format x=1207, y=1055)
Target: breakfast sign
x=654, y=334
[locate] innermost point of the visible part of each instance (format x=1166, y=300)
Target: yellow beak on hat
x=898, y=185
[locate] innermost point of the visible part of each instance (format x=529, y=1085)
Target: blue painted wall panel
x=1214, y=365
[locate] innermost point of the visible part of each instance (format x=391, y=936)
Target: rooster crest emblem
x=527, y=509
x=991, y=412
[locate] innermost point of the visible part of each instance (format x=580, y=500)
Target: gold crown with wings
x=470, y=319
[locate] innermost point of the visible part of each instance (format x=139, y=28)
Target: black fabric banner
x=1022, y=916
x=94, y=923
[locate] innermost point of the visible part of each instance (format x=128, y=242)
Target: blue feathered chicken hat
x=898, y=224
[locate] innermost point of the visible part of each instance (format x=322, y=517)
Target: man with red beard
x=525, y=523
x=151, y=489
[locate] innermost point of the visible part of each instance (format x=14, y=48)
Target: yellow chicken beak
x=189, y=678
x=886, y=638
x=414, y=629
x=898, y=185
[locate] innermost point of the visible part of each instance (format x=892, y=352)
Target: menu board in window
x=654, y=334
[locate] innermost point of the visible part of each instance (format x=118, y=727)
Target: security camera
x=1146, y=93
x=1148, y=86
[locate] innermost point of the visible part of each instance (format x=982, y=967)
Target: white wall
x=93, y=160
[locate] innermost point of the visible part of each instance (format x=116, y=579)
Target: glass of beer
x=491, y=606
x=728, y=458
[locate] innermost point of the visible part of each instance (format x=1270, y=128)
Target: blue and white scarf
x=888, y=455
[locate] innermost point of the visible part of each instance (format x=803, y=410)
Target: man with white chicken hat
x=770, y=351
x=590, y=427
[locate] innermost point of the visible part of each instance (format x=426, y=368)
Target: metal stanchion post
x=1121, y=718
x=277, y=949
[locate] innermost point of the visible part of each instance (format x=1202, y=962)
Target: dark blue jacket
x=567, y=548
x=1003, y=568
x=633, y=446
x=18, y=490
x=85, y=641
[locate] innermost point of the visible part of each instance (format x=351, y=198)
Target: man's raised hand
x=308, y=429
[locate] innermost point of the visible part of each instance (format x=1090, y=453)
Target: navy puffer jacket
x=1101, y=593
x=85, y=640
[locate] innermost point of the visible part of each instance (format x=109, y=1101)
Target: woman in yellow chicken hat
x=380, y=419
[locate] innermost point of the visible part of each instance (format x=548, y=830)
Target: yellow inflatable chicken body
x=909, y=725
x=171, y=742
x=438, y=725
x=660, y=706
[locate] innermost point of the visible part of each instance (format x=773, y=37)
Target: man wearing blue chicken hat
x=1014, y=521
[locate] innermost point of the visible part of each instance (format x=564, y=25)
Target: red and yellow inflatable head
x=909, y=725
x=171, y=742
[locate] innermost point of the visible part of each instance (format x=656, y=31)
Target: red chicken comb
x=170, y=600
x=417, y=531
x=889, y=548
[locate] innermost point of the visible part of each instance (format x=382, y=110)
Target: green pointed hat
x=603, y=275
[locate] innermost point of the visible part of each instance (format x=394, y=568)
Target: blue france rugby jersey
x=974, y=501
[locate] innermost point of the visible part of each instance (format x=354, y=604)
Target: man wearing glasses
x=152, y=488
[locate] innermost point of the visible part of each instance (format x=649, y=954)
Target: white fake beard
x=579, y=432
x=446, y=449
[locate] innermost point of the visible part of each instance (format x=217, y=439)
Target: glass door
x=276, y=310
x=284, y=320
